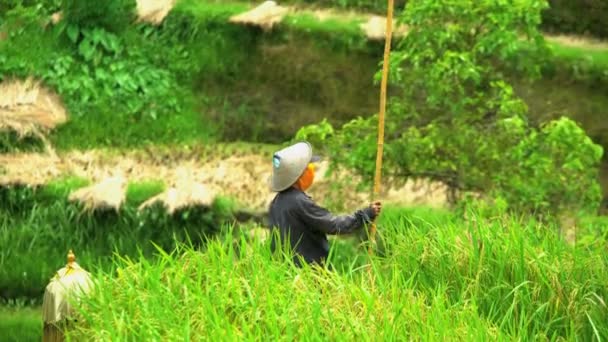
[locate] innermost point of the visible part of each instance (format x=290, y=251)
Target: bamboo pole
x=383, y=86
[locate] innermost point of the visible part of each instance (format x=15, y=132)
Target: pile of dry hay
x=27, y=108
x=180, y=197
x=149, y=11
x=154, y=11
x=269, y=13
x=185, y=192
x=375, y=28
x=265, y=15
x=108, y=194
x=32, y=169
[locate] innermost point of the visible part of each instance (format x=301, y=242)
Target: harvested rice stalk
x=27, y=108
x=33, y=169
x=182, y=196
x=265, y=15
x=375, y=28
x=149, y=11
x=154, y=11
x=108, y=194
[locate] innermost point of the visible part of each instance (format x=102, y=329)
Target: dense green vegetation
x=202, y=80
x=19, y=323
x=486, y=279
x=39, y=225
x=450, y=78
x=136, y=97
x=481, y=112
x=562, y=16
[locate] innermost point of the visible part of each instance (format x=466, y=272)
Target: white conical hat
x=288, y=165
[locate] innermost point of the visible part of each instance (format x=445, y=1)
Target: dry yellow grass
x=29, y=168
x=244, y=177
x=332, y=13
x=578, y=41
x=27, y=108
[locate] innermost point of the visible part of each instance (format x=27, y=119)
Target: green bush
x=564, y=16
x=45, y=6
x=110, y=15
x=116, y=92
x=454, y=119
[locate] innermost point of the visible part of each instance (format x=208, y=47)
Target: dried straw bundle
x=108, y=194
x=185, y=195
x=375, y=28
x=29, y=109
x=154, y=11
x=265, y=15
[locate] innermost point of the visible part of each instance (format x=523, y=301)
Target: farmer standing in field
x=301, y=223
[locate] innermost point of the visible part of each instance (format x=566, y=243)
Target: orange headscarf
x=307, y=177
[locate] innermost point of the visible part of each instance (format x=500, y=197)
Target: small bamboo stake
x=383, y=86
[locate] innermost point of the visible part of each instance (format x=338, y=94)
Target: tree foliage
x=111, y=15
x=562, y=16
x=454, y=118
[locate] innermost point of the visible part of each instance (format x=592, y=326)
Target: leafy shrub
x=455, y=119
x=105, y=70
x=563, y=16
x=110, y=15
x=46, y=6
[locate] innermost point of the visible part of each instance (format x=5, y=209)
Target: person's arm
x=319, y=218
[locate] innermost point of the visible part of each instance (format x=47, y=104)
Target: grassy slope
x=43, y=225
x=457, y=313
x=19, y=324
x=513, y=280
x=348, y=26
x=253, y=92
x=233, y=101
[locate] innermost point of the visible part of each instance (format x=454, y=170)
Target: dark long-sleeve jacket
x=303, y=225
